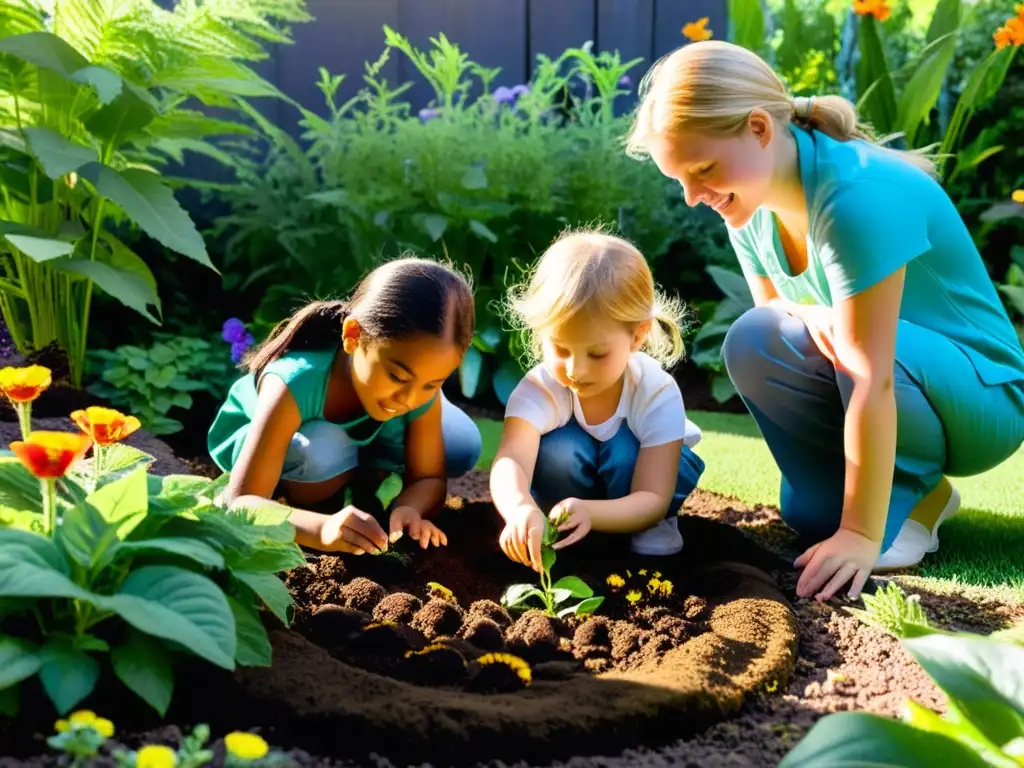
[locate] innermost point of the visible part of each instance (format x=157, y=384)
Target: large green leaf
x=124, y=501
x=946, y=19
x=151, y=205
x=270, y=589
x=142, y=664
x=10, y=701
x=470, y=372
x=505, y=379
x=877, y=95
x=575, y=586
x=131, y=111
x=211, y=79
x=746, y=24
x=35, y=243
x=921, y=93
x=19, y=660
x=34, y=548
x=51, y=52
x=85, y=535
x=19, y=488
x=984, y=677
x=732, y=284
x=271, y=557
x=119, y=460
x=193, y=549
x=124, y=284
x=253, y=644
x=192, y=124
x=848, y=739
x=35, y=578
x=68, y=674
x=56, y=154
x=179, y=605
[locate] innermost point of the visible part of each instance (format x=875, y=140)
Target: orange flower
x=1018, y=196
x=105, y=425
x=876, y=8
x=1012, y=32
x=698, y=30
x=48, y=455
x=23, y=385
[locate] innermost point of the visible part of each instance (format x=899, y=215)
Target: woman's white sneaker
x=914, y=540
x=661, y=540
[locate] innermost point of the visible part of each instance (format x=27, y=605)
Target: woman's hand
x=354, y=531
x=570, y=515
x=844, y=557
x=523, y=537
x=423, y=531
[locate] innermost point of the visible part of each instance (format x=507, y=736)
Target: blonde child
x=597, y=430
x=357, y=383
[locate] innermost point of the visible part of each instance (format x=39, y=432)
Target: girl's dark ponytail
x=316, y=326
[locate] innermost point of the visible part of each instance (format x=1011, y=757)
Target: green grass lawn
x=983, y=546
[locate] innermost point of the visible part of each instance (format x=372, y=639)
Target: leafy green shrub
x=90, y=103
x=141, y=569
x=150, y=383
x=487, y=182
x=983, y=678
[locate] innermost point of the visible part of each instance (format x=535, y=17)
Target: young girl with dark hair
x=356, y=383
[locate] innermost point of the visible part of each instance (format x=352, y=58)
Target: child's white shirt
x=651, y=405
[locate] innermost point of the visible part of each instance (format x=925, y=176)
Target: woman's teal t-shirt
x=870, y=214
x=306, y=374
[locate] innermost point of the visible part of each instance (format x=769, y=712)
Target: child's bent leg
x=318, y=462
x=566, y=467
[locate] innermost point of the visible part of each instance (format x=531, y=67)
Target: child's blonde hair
x=711, y=87
x=605, y=274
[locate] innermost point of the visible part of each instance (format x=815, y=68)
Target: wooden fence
x=495, y=33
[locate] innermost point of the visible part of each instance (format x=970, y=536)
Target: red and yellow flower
x=23, y=385
x=48, y=455
x=877, y=8
x=698, y=30
x=105, y=425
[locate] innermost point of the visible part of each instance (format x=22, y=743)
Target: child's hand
x=570, y=515
x=352, y=530
x=846, y=556
x=423, y=531
x=523, y=536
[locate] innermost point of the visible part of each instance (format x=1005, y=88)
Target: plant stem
x=97, y=460
x=50, y=504
x=24, y=418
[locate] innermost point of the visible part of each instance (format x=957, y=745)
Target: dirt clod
x=362, y=594
x=332, y=624
x=489, y=609
x=397, y=607
x=438, y=618
x=483, y=633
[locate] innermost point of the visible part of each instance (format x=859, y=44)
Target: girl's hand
x=423, y=531
x=523, y=536
x=570, y=515
x=354, y=531
x=835, y=561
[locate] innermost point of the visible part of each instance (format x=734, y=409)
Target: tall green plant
x=92, y=96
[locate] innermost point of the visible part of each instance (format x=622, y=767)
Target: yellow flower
x=1018, y=196
x=876, y=8
x=50, y=455
x=517, y=665
x=698, y=30
x=105, y=425
x=642, y=572
x=156, y=756
x=61, y=726
x=104, y=727
x=653, y=585
x=82, y=717
x=657, y=574
x=23, y=385
x=441, y=591
x=427, y=649
x=1011, y=33
x=633, y=596
x=615, y=581
x=665, y=588
x=246, y=746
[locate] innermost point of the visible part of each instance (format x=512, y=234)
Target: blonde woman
x=597, y=430
x=878, y=359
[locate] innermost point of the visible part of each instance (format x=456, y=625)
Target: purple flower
x=426, y=115
x=625, y=81
x=240, y=347
x=520, y=90
x=233, y=330
x=504, y=95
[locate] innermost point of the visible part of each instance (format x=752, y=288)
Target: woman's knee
x=463, y=442
x=747, y=345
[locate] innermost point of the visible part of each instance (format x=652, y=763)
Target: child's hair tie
x=803, y=106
